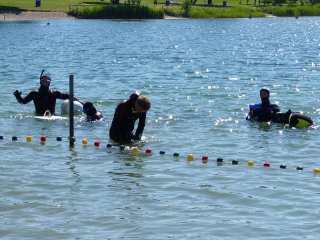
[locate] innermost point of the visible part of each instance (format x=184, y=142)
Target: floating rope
x=135, y=150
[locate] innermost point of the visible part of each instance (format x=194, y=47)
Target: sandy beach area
x=33, y=15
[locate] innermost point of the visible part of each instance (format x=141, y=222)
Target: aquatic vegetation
x=118, y=12
x=287, y=11
x=215, y=12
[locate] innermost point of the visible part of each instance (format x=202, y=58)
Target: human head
x=45, y=81
x=264, y=93
x=142, y=104
x=89, y=109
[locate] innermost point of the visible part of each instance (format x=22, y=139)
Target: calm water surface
x=200, y=75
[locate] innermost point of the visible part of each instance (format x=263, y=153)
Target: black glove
x=17, y=93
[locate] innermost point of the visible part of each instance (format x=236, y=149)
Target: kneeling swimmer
x=92, y=113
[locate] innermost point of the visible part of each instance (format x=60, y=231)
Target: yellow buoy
x=316, y=170
x=29, y=138
x=250, y=163
x=190, y=157
x=135, y=149
x=84, y=141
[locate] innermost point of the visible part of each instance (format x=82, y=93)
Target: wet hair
x=89, y=108
x=143, y=102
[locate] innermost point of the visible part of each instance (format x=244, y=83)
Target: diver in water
x=264, y=111
x=92, y=113
x=126, y=114
x=44, y=98
x=294, y=119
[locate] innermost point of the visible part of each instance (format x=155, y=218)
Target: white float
x=65, y=107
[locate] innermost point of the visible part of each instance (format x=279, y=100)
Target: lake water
x=200, y=76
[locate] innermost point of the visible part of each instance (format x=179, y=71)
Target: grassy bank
x=236, y=12
x=200, y=9
x=215, y=12
x=290, y=11
x=63, y=5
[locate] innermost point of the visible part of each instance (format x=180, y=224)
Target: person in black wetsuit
x=294, y=119
x=264, y=111
x=125, y=116
x=92, y=113
x=43, y=98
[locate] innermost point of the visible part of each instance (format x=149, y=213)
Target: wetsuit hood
x=133, y=97
x=45, y=81
x=44, y=89
x=265, y=101
x=89, y=109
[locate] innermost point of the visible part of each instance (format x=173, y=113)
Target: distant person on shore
x=43, y=98
x=155, y=3
x=92, y=113
x=264, y=111
x=126, y=114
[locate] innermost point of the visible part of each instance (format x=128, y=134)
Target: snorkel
x=41, y=74
x=45, y=81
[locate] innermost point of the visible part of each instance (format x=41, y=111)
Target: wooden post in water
x=71, y=111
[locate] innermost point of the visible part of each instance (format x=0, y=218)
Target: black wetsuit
x=124, y=119
x=298, y=119
x=96, y=117
x=294, y=119
x=263, y=112
x=44, y=99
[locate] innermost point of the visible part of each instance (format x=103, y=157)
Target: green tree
x=186, y=7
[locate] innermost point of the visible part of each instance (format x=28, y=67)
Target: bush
x=119, y=12
x=186, y=7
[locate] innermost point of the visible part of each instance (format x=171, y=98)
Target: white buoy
x=77, y=107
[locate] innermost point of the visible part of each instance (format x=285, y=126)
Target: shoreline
x=43, y=15
x=34, y=15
